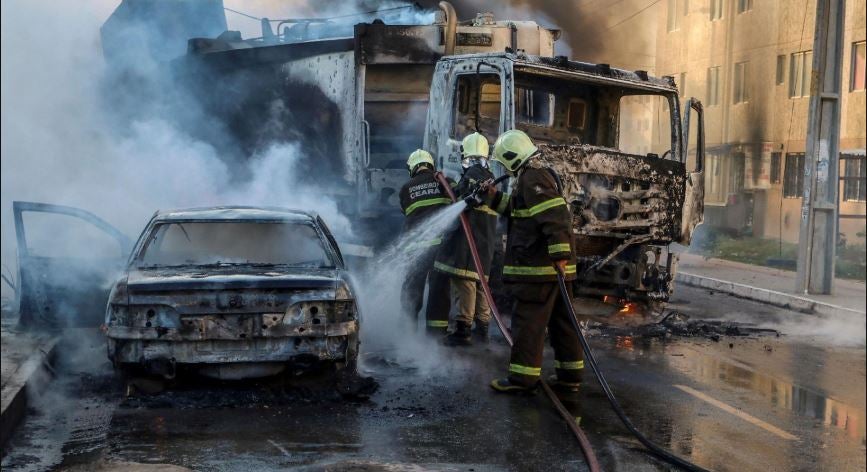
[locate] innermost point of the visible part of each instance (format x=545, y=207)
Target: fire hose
x=591, y=359
x=583, y=442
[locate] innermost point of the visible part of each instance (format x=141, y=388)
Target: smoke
x=619, y=32
x=72, y=134
x=386, y=327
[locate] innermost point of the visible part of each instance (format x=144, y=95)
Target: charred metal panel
x=627, y=209
x=617, y=194
x=378, y=43
x=261, y=55
x=226, y=352
x=293, y=93
x=56, y=292
x=334, y=75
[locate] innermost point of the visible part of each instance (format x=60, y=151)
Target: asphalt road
x=755, y=403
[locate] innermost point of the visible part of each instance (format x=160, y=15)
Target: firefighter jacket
x=421, y=197
x=539, y=227
x=454, y=257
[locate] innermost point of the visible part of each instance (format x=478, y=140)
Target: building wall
x=741, y=137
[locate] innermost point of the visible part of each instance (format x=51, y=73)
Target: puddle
x=779, y=393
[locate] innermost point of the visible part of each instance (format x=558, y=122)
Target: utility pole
x=817, y=246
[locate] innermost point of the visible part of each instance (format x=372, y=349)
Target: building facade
x=750, y=62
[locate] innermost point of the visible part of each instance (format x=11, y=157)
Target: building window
x=676, y=9
x=740, y=92
x=713, y=86
x=856, y=80
x=744, y=5
x=854, y=178
x=716, y=10
x=781, y=69
x=776, y=166
x=681, y=83
x=713, y=179
x=800, y=66
x=737, y=165
x=793, y=180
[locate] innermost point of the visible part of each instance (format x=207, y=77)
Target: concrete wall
x=769, y=120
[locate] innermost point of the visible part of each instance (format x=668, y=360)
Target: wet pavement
x=760, y=402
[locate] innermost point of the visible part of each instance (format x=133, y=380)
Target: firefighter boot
x=480, y=332
x=566, y=387
x=462, y=336
x=507, y=386
x=435, y=332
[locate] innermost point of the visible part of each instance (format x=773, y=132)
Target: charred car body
x=228, y=291
x=235, y=291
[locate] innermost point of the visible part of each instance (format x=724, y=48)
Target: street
x=756, y=403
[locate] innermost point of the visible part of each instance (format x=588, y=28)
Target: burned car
x=232, y=292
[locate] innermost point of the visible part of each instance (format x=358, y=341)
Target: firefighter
x=539, y=244
x=419, y=198
x=455, y=261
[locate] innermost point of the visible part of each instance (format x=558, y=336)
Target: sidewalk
x=767, y=285
x=24, y=357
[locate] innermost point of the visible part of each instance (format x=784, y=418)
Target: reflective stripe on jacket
x=540, y=227
x=421, y=197
x=454, y=257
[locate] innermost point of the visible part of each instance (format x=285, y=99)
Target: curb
x=14, y=404
x=768, y=297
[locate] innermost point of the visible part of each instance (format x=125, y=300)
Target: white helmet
x=418, y=158
x=474, y=150
x=512, y=149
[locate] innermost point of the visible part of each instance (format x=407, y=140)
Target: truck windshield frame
x=587, y=110
x=198, y=243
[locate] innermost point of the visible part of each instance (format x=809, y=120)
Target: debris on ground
x=679, y=324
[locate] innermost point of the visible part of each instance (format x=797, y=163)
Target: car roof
x=252, y=213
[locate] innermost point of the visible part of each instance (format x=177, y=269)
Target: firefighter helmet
x=512, y=149
x=474, y=145
x=417, y=158
x=474, y=150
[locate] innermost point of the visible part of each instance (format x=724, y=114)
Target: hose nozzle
x=475, y=197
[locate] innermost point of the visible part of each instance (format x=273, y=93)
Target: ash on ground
x=675, y=323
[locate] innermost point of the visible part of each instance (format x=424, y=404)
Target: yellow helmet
x=417, y=158
x=512, y=149
x=475, y=145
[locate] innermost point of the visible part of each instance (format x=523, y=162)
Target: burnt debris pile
x=678, y=324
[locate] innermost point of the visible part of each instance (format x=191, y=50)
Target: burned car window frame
x=328, y=244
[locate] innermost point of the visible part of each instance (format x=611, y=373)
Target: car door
x=694, y=147
x=68, y=259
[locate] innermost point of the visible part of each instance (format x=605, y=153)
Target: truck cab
x=631, y=172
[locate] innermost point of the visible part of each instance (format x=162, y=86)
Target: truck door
x=68, y=260
x=693, y=144
x=467, y=95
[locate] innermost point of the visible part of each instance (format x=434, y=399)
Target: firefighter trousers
x=438, y=303
x=539, y=306
x=412, y=296
x=413, y=289
x=469, y=301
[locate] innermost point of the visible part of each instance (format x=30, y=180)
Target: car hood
x=231, y=277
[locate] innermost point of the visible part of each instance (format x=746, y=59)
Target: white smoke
x=62, y=141
x=386, y=327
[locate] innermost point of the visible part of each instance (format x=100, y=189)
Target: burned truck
x=616, y=139
x=359, y=99
x=357, y=106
